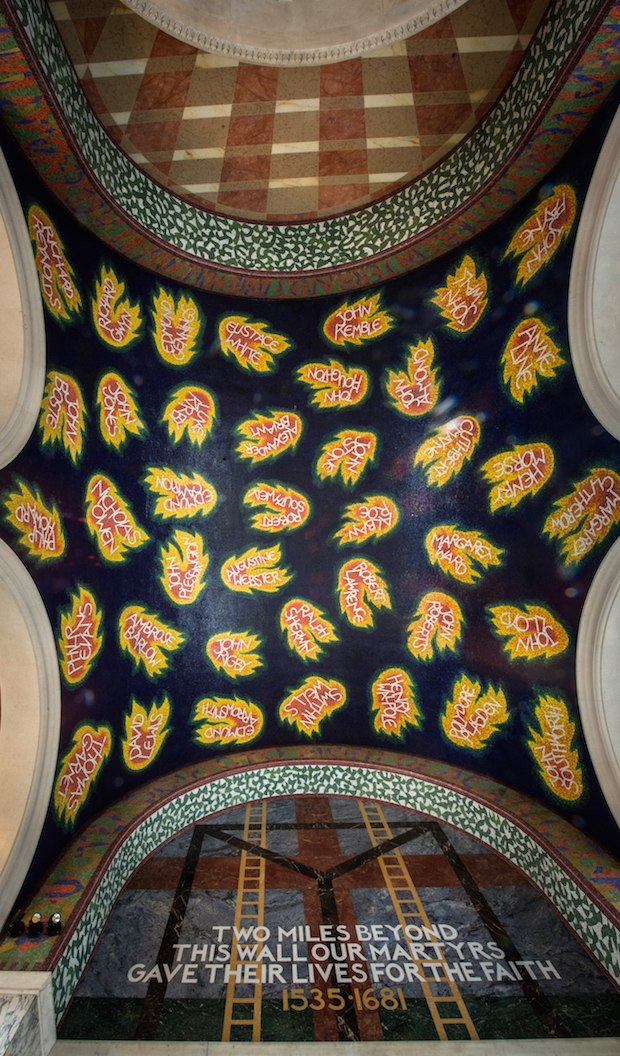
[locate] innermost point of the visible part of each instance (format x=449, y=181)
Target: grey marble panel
x=208, y=910
x=132, y=935
x=444, y=906
x=539, y=933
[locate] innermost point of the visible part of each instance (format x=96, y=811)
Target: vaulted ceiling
x=293, y=143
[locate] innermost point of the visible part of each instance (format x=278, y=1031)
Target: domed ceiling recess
x=264, y=523
x=300, y=34
x=295, y=142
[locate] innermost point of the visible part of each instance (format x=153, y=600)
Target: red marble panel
x=165, y=45
x=342, y=78
x=256, y=84
x=343, y=163
x=248, y=130
x=341, y=194
x=163, y=91
x=151, y=137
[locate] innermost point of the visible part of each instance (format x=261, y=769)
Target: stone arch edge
x=30, y=729
x=517, y=828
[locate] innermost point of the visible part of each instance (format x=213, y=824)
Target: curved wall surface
x=29, y=682
x=22, y=338
x=594, y=331
x=30, y=722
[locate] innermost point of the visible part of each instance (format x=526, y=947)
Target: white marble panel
x=564, y=1047
x=27, y=1021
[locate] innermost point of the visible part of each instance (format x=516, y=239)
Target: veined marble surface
x=27, y=1026
x=563, y=1047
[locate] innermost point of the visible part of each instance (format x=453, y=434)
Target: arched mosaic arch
x=580, y=881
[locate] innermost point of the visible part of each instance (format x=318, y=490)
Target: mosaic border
x=564, y=864
x=571, y=66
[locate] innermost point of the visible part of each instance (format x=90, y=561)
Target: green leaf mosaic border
x=446, y=206
x=595, y=925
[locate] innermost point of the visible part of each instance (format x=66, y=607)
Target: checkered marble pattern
x=292, y=144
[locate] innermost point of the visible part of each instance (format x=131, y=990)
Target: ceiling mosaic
x=362, y=521
x=292, y=143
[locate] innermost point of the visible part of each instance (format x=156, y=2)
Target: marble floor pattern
x=292, y=144
x=158, y=972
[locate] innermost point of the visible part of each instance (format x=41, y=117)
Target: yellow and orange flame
x=414, y=391
x=557, y=760
x=438, y=622
x=348, y=454
x=62, y=419
x=176, y=327
x=371, y=519
x=251, y=343
x=79, y=641
x=472, y=717
x=147, y=639
x=179, y=495
x=314, y=700
x=517, y=473
x=455, y=551
x=532, y=631
x=358, y=322
x=255, y=570
x=145, y=733
x=448, y=449
x=229, y=721
x=184, y=563
x=119, y=417
x=394, y=699
x=191, y=409
x=359, y=584
x=586, y=515
x=334, y=385
x=530, y=354
x=306, y=628
x=79, y=770
x=543, y=232
x=464, y=297
x=40, y=527
x=117, y=321
x=285, y=509
x=56, y=276
x=110, y=520
x=234, y=653
x=269, y=437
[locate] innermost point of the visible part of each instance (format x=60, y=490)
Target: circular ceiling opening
x=292, y=32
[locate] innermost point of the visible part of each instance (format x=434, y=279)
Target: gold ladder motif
x=249, y=913
x=409, y=910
